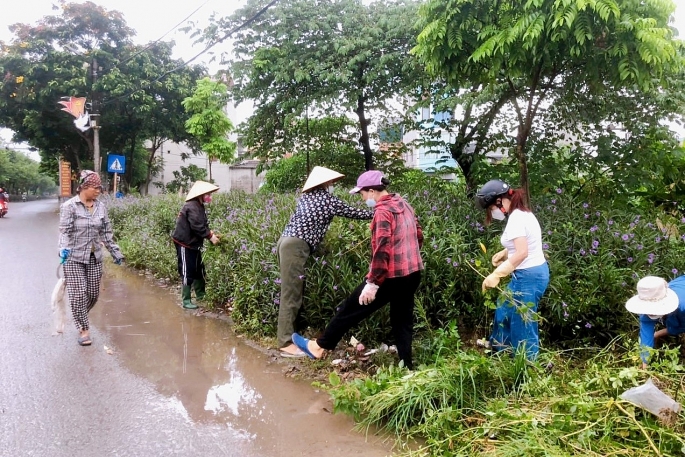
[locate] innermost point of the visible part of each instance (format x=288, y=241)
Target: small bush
x=596, y=254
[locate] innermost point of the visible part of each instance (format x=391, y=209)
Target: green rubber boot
x=185, y=296
x=199, y=286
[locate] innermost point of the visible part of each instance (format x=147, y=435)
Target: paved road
x=175, y=383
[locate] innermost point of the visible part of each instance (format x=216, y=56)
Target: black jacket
x=192, y=226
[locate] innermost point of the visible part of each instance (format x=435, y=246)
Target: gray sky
x=153, y=18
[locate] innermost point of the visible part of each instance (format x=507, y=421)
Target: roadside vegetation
x=19, y=174
x=572, y=100
x=460, y=400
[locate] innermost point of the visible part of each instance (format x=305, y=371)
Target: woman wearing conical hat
x=315, y=210
x=192, y=229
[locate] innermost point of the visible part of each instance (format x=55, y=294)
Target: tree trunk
x=148, y=177
x=364, y=137
x=129, y=170
x=465, y=161
x=521, y=140
x=478, y=134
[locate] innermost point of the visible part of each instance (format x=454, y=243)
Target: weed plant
x=469, y=404
x=460, y=402
x=596, y=254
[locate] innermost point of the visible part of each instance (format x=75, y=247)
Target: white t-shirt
x=524, y=224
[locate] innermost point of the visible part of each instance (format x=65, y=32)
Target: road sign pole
x=115, y=183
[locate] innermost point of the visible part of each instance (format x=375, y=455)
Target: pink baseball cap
x=368, y=179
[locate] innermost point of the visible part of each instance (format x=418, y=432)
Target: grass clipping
x=469, y=404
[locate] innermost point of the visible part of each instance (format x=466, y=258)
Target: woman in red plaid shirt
x=394, y=274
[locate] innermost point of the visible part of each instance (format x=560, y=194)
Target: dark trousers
x=399, y=292
x=190, y=265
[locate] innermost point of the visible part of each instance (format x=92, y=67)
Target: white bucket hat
x=320, y=175
x=201, y=188
x=653, y=297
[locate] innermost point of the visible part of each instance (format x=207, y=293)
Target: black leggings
x=399, y=292
x=190, y=265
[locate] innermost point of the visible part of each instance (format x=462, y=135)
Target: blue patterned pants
x=516, y=323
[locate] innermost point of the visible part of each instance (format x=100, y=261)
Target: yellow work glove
x=492, y=280
x=500, y=257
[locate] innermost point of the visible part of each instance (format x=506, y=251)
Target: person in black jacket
x=192, y=228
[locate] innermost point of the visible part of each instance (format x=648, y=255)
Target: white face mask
x=370, y=202
x=330, y=189
x=497, y=214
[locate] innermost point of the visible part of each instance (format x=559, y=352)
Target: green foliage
x=185, y=177
x=545, y=51
x=208, y=122
x=20, y=174
x=45, y=61
x=288, y=175
x=144, y=227
x=470, y=405
x=596, y=253
x=332, y=57
x=640, y=170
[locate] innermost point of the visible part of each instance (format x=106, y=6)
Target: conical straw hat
x=201, y=188
x=320, y=175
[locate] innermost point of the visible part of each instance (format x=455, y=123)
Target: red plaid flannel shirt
x=396, y=238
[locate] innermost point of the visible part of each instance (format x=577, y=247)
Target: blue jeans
x=516, y=322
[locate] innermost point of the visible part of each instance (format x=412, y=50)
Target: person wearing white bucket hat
x=658, y=301
x=192, y=229
x=315, y=210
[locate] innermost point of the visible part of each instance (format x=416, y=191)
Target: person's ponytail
x=518, y=200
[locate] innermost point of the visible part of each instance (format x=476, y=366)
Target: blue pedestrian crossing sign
x=116, y=164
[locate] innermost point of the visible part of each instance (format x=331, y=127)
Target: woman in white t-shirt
x=516, y=322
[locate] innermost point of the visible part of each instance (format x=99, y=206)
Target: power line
x=162, y=37
x=207, y=48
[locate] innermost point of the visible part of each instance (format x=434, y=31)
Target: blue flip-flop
x=301, y=343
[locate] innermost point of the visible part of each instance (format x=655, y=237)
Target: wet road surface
x=172, y=382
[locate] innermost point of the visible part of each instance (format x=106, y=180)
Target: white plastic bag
x=58, y=302
x=649, y=397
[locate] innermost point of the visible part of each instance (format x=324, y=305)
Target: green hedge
x=596, y=254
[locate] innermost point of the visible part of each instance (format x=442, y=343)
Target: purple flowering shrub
x=142, y=228
x=596, y=253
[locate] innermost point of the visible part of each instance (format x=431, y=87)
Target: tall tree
x=143, y=105
x=539, y=48
x=333, y=56
x=208, y=122
x=55, y=57
x=19, y=173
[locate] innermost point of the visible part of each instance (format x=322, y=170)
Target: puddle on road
x=211, y=377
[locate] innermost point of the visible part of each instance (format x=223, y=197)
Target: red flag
x=74, y=106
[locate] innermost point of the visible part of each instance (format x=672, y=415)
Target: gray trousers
x=292, y=257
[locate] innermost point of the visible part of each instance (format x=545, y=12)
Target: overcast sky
x=153, y=18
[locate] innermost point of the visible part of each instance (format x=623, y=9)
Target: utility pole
x=94, y=117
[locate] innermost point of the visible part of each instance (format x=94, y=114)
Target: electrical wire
x=207, y=48
x=151, y=44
